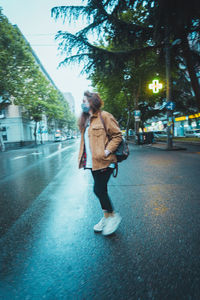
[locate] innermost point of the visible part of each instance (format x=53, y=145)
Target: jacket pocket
x=98, y=130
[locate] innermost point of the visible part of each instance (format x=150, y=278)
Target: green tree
x=130, y=85
x=125, y=92
x=40, y=98
x=179, y=22
x=137, y=34
x=16, y=62
x=22, y=81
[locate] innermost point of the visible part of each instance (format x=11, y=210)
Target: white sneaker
x=99, y=226
x=111, y=224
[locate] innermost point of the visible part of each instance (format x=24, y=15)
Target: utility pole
x=137, y=121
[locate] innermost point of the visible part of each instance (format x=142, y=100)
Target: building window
x=5, y=137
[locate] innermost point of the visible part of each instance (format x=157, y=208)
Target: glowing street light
x=155, y=86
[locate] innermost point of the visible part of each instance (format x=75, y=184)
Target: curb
x=175, y=148
x=165, y=149
x=184, y=142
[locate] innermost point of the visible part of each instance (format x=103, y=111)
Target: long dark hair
x=95, y=103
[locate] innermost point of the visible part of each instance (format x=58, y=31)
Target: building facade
x=70, y=100
x=16, y=129
x=181, y=124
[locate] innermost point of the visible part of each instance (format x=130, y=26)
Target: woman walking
x=97, y=154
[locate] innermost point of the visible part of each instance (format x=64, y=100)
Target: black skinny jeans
x=101, y=178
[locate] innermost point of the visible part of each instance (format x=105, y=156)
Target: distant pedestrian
x=96, y=154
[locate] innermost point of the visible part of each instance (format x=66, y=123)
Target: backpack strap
x=116, y=170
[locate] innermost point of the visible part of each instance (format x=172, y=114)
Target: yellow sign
x=180, y=119
x=183, y=118
x=194, y=116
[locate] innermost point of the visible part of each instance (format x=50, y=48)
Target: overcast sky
x=34, y=20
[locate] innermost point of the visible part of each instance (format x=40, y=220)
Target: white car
x=192, y=133
x=57, y=139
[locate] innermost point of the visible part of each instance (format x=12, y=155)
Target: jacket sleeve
x=114, y=132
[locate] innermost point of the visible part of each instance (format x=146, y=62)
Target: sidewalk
x=160, y=145
x=163, y=146
x=189, y=142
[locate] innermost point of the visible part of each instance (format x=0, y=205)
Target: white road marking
x=35, y=153
x=49, y=156
x=61, y=150
x=18, y=157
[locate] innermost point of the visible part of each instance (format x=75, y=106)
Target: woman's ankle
x=109, y=214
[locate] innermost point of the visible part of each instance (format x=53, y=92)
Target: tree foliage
x=16, y=62
x=135, y=29
x=23, y=83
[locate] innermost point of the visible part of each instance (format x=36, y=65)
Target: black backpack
x=122, y=151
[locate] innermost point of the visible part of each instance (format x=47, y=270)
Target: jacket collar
x=94, y=115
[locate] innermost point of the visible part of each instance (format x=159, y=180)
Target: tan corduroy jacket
x=99, y=140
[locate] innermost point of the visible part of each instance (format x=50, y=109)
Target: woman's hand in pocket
x=107, y=152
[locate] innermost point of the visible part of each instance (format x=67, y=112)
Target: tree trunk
x=129, y=114
x=136, y=122
x=168, y=88
x=35, y=132
x=127, y=124
x=142, y=125
x=191, y=70
x=2, y=146
x=41, y=141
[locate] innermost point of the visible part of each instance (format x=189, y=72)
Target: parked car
x=192, y=133
x=57, y=139
x=57, y=136
x=63, y=138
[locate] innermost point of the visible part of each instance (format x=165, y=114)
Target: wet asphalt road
x=47, y=212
